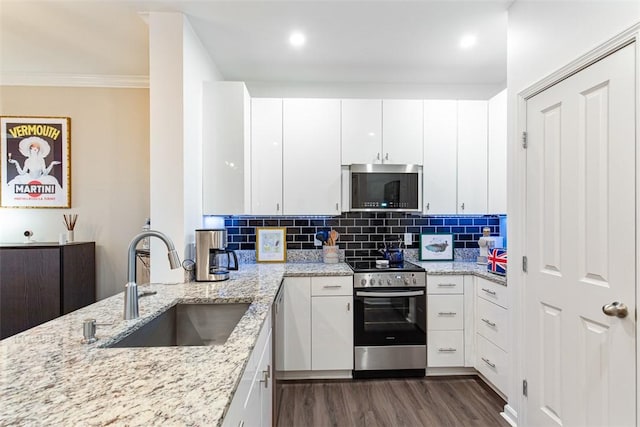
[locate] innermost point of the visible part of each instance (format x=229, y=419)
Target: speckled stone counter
x=457, y=267
x=47, y=377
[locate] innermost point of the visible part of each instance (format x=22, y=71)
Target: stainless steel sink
x=187, y=325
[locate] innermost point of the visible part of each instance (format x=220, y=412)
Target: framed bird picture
x=436, y=247
x=271, y=244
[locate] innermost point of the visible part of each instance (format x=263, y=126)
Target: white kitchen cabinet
x=311, y=147
x=252, y=402
x=266, y=154
x=445, y=321
x=472, y=157
x=492, y=334
x=497, y=167
x=226, y=151
x=318, y=332
x=402, y=131
x=361, y=131
x=440, y=156
x=297, y=321
x=331, y=333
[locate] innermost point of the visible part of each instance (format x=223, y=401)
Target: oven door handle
x=389, y=294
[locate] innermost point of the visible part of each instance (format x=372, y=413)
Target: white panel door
x=497, y=163
x=332, y=333
x=440, y=171
x=472, y=157
x=361, y=131
x=580, y=243
x=311, y=138
x=297, y=324
x=402, y=129
x=266, y=152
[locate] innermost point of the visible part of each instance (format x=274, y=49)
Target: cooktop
x=369, y=266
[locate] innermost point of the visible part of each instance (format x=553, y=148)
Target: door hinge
x=525, y=390
x=525, y=266
x=524, y=139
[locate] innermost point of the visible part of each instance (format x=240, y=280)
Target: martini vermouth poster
x=35, y=162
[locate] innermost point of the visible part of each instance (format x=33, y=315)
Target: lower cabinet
x=252, y=404
x=492, y=333
x=318, y=331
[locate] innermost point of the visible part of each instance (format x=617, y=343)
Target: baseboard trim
x=510, y=415
x=75, y=80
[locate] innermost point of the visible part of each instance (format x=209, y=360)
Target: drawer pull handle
x=447, y=313
x=447, y=350
x=489, y=291
x=332, y=286
x=489, y=322
x=488, y=362
x=446, y=285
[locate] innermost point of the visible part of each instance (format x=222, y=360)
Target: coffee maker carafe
x=213, y=259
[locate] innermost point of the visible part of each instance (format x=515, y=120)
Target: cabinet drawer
x=492, y=292
x=446, y=284
x=491, y=322
x=333, y=285
x=492, y=362
x=445, y=348
x=445, y=312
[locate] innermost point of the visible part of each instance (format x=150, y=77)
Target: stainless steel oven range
x=390, y=319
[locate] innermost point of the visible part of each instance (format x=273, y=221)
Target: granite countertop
x=461, y=267
x=49, y=378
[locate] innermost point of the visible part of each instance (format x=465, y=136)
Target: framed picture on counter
x=436, y=247
x=35, y=162
x=271, y=244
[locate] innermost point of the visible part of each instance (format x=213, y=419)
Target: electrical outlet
x=408, y=239
x=316, y=242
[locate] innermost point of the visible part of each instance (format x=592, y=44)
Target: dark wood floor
x=430, y=401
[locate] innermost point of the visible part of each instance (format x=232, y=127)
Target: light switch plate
x=316, y=242
x=408, y=239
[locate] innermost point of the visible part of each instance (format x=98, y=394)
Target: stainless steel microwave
x=385, y=188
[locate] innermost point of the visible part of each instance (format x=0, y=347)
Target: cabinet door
x=497, y=165
x=402, y=131
x=297, y=324
x=78, y=276
x=311, y=156
x=226, y=165
x=440, y=156
x=361, y=131
x=29, y=288
x=332, y=333
x=472, y=157
x=265, y=375
x=266, y=150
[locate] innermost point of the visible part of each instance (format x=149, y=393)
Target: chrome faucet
x=131, y=288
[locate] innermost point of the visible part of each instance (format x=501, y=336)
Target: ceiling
x=401, y=42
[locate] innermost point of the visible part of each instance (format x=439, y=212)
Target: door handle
x=616, y=309
x=378, y=158
x=386, y=157
x=462, y=206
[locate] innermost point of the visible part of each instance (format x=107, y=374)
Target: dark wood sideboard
x=41, y=281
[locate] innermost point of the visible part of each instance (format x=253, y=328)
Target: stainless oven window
x=390, y=317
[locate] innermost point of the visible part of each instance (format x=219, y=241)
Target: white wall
x=109, y=172
x=544, y=36
x=178, y=64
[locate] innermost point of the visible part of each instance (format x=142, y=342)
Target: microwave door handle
x=389, y=294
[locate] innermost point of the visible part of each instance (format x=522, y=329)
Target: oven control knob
x=414, y=281
x=380, y=282
x=363, y=282
x=388, y=282
x=406, y=280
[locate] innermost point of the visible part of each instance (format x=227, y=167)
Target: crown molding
x=74, y=80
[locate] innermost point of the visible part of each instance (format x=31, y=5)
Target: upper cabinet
x=497, y=166
x=361, y=131
x=311, y=142
x=472, y=157
x=226, y=161
x=381, y=131
x=402, y=131
x=266, y=152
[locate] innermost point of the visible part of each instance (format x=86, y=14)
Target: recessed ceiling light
x=468, y=40
x=297, y=39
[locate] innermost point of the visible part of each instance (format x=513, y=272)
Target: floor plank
x=437, y=402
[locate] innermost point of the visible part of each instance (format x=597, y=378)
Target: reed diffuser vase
x=70, y=224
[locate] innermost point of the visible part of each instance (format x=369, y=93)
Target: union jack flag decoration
x=497, y=261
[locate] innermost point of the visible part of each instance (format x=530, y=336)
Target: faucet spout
x=131, y=288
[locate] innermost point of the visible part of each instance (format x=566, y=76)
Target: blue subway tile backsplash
x=362, y=233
